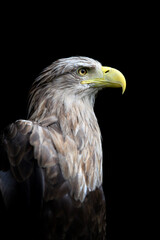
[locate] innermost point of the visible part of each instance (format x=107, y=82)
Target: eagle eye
x=82, y=71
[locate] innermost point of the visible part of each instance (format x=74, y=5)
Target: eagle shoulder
x=15, y=141
x=26, y=145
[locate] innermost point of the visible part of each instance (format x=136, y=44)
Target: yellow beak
x=111, y=78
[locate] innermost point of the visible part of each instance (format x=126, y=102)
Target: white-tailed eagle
x=51, y=166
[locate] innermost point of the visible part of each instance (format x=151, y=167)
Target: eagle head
x=74, y=77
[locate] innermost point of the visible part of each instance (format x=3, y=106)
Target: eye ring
x=82, y=71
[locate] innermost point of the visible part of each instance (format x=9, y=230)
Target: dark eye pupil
x=82, y=71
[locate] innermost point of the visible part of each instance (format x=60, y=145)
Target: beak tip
x=124, y=87
x=114, y=77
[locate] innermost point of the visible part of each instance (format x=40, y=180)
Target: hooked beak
x=111, y=78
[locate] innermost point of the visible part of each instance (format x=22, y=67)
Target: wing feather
x=28, y=144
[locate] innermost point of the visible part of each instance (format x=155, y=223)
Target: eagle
x=51, y=164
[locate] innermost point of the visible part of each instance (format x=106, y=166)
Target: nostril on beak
x=106, y=71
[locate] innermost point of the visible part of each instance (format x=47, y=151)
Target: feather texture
x=59, y=146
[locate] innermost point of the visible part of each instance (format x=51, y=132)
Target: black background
x=114, y=34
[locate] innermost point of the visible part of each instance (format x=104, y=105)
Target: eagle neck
x=73, y=112
x=76, y=135
x=82, y=139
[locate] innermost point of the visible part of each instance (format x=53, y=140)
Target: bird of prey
x=51, y=163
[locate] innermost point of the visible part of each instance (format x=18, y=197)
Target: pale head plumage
x=61, y=78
